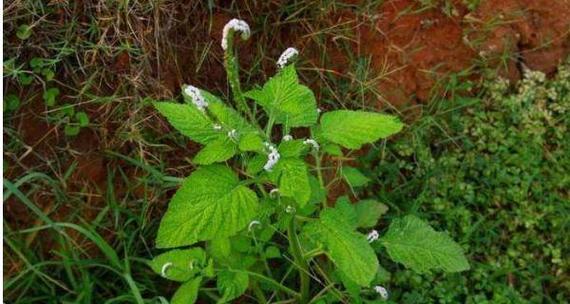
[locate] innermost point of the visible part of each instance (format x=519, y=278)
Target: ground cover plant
x=493, y=171
x=270, y=203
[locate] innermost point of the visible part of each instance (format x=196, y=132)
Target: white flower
x=273, y=193
x=233, y=134
x=287, y=137
x=217, y=127
x=312, y=142
x=235, y=25
x=319, y=110
x=381, y=291
x=272, y=158
x=197, y=98
x=164, y=268
x=290, y=209
x=372, y=236
x=286, y=57
x=253, y=223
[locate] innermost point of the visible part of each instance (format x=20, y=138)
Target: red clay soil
x=419, y=48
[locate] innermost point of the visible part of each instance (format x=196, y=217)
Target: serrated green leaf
x=211, y=203
x=179, y=264
x=294, y=180
x=255, y=164
x=292, y=148
x=227, y=116
x=369, y=212
x=345, y=208
x=354, y=177
x=415, y=244
x=251, y=142
x=332, y=149
x=219, y=248
x=189, y=121
x=351, y=287
x=231, y=284
x=318, y=193
x=348, y=249
x=288, y=101
x=218, y=150
x=187, y=293
x=352, y=129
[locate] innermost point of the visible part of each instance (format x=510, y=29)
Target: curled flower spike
x=233, y=134
x=272, y=158
x=312, y=142
x=217, y=127
x=274, y=192
x=286, y=57
x=372, y=236
x=164, y=268
x=381, y=291
x=235, y=25
x=287, y=137
x=197, y=99
x=252, y=224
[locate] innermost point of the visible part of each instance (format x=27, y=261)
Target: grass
x=81, y=212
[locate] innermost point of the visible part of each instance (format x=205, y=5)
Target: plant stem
x=319, y=168
x=299, y=260
x=266, y=280
x=269, y=127
x=258, y=292
x=232, y=69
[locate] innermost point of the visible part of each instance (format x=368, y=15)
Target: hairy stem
x=299, y=260
x=232, y=69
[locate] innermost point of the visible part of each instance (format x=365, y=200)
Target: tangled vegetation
x=493, y=171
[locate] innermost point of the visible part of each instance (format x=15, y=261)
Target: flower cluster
x=372, y=236
x=197, y=97
x=164, y=268
x=381, y=291
x=252, y=224
x=286, y=57
x=272, y=158
x=235, y=25
x=312, y=142
x=233, y=134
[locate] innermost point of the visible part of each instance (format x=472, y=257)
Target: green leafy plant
x=11, y=103
x=24, y=32
x=493, y=171
x=65, y=114
x=259, y=196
